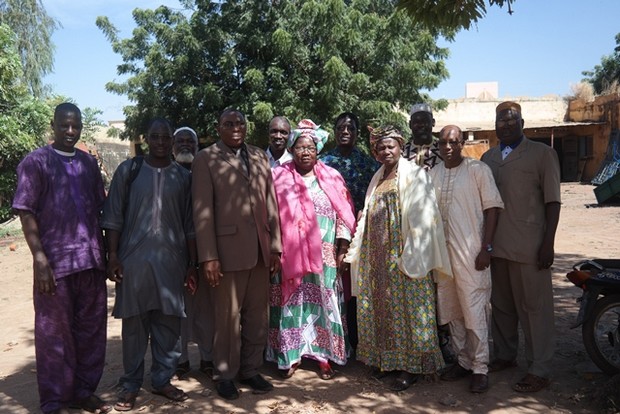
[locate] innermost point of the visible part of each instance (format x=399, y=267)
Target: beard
x=184, y=157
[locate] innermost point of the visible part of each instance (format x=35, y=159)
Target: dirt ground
x=585, y=231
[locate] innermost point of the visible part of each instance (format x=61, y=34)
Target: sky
x=541, y=49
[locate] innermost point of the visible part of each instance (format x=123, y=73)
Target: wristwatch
x=489, y=248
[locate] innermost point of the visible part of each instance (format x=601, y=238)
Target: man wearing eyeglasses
x=527, y=174
x=357, y=169
x=238, y=240
x=469, y=203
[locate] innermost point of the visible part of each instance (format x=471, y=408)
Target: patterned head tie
x=387, y=131
x=308, y=129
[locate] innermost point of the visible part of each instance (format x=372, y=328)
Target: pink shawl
x=301, y=237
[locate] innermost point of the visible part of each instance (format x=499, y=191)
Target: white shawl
x=424, y=247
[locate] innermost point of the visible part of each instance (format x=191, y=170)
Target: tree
x=606, y=76
x=447, y=15
x=24, y=120
x=301, y=59
x=33, y=27
x=91, y=123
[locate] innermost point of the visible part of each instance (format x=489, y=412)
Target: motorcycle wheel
x=601, y=334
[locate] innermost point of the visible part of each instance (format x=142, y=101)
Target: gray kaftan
x=153, y=243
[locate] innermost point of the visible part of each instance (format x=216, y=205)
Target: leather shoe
x=378, y=374
x=455, y=373
x=206, y=367
x=479, y=383
x=182, y=370
x=258, y=384
x=403, y=381
x=501, y=364
x=226, y=389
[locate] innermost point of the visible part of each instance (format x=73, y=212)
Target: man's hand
x=546, y=254
x=274, y=263
x=114, y=269
x=483, y=260
x=211, y=272
x=44, y=280
x=191, y=280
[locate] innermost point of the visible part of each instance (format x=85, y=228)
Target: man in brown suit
x=527, y=174
x=238, y=240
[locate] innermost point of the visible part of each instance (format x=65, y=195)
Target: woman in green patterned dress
x=317, y=221
x=399, y=241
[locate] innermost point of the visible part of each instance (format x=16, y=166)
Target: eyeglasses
x=342, y=128
x=510, y=123
x=452, y=144
x=230, y=124
x=301, y=150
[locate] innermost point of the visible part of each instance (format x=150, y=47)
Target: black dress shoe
x=258, y=384
x=182, y=370
x=455, y=373
x=403, y=381
x=226, y=389
x=206, y=367
x=378, y=374
x=479, y=383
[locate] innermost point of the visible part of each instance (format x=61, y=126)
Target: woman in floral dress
x=399, y=241
x=317, y=220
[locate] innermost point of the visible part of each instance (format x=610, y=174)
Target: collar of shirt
x=512, y=146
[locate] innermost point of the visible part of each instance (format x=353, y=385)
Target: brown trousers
x=239, y=307
x=523, y=295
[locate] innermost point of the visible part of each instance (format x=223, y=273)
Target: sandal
x=126, y=401
x=287, y=373
x=92, y=404
x=327, y=372
x=531, y=383
x=171, y=392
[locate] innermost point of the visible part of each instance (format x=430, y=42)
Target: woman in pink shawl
x=317, y=220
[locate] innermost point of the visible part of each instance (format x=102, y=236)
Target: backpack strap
x=134, y=170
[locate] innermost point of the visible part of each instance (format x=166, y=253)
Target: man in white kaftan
x=469, y=202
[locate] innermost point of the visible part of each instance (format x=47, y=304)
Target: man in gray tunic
x=150, y=235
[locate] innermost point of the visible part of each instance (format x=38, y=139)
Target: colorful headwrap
x=308, y=129
x=386, y=131
x=508, y=105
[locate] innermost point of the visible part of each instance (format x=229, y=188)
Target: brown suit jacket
x=235, y=214
x=527, y=179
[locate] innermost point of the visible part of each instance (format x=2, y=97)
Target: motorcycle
x=599, y=310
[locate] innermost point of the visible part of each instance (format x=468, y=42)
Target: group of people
x=290, y=255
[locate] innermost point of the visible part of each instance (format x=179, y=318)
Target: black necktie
x=245, y=158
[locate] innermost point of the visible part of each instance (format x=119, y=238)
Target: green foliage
x=302, y=59
x=91, y=124
x=24, y=120
x=33, y=27
x=606, y=76
x=447, y=16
